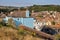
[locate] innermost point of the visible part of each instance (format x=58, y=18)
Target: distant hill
x=38, y=8
x=4, y=7
x=7, y=8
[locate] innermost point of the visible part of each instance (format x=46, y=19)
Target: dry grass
x=0, y=19
x=7, y=33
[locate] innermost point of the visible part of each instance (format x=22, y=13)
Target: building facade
x=26, y=21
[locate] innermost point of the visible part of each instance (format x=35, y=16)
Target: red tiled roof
x=18, y=14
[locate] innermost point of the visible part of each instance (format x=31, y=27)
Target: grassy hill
x=38, y=8
x=10, y=32
x=7, y=8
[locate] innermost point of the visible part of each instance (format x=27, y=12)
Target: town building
x=20, y=18
x=36, y=21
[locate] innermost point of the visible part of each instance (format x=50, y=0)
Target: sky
x=22, y=3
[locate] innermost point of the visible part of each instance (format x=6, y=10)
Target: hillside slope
x=8, y=33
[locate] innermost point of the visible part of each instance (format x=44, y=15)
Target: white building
x=39, y=25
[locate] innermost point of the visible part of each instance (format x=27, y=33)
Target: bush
x=21, y=32
x=53, y=23
x=0, y=26
x=2, y=23
x=40, y=16
x=57, y=37
x=33, y=34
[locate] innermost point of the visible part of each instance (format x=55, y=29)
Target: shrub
x=57, y=37
x=2, y=23
x=21, y=32
x=53, y=23
x=40, y=16
x=33, y=34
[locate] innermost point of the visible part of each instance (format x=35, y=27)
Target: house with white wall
x=39, y=24
x=27, y=21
